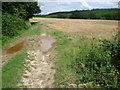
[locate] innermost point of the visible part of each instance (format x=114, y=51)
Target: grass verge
x=12, y=71
x=84, y=62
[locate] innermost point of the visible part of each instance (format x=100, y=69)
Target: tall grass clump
x=100, y=65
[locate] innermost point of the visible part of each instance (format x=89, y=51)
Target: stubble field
x=95, y=28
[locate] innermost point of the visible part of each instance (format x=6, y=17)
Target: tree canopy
x=15, y=16
x=24, y=10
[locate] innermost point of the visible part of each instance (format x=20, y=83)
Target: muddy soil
x=16, y=48
x=46, y=43
x=12, y=49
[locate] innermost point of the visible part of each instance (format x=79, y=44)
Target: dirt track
x=99, y=28
x=38, y=67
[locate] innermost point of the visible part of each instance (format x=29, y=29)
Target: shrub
x=100, y=65
x=11, y=25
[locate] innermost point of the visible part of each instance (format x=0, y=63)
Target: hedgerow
x=11, y=25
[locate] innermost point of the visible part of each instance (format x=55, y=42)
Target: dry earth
x=98, y=28
x=39, y=72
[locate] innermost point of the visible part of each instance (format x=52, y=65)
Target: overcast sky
x=50, y=6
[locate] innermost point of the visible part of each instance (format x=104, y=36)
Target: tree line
x=104, y=14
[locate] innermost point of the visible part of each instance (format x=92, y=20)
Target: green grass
x=12, y=70
x=34, y=30
x=81, y=60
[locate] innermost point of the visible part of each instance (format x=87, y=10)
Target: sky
x=50, y=6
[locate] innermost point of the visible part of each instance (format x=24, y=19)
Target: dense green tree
x=76, y=15
x=24, y=10
x=14, y=16
x=12, y=25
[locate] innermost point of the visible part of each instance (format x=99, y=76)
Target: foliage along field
x=12, y=26
x=14, y=18
x=85, y=62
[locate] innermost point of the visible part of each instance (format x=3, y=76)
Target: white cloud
x=78, y=0
x=49, y=6
x=85, y=4
x=42, y=7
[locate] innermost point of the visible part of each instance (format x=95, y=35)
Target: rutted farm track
x=39, y=72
